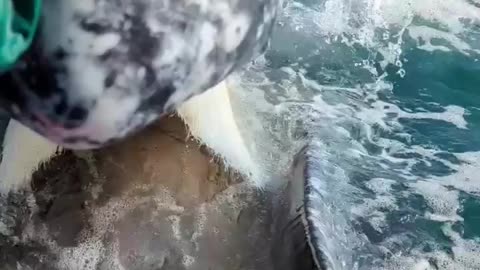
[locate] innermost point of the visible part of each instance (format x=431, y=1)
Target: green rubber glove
x=18, y=23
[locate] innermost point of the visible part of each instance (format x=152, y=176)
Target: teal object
x=18, y=24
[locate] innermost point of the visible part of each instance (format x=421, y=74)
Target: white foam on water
x=371, y=208
x=188, y=260
x=426, y=35
x=175, y=220
x=466, y=176
x=113, y=261
x=328, y=120
x=465, y=252
x=444, y=202
x=348, y=128
x=380, y=110
x=401, y=263
x=91, y=248
x=86, y=256
x=448, y=13
x=449, y=16
x=464, y=255
x=440, y=192
x=383, y=24
x=380, y=185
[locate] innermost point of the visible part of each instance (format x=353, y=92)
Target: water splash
x=334, y=71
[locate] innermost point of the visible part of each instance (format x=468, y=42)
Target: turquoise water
x=390, y=91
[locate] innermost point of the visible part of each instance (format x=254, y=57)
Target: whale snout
x=99, y=70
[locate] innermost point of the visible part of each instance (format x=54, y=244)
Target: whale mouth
x=99, y=209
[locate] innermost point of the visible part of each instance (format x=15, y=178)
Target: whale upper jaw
x=100, y=71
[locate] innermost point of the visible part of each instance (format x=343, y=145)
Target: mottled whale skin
x=100, y=70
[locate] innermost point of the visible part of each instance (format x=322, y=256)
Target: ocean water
x=388, y=92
